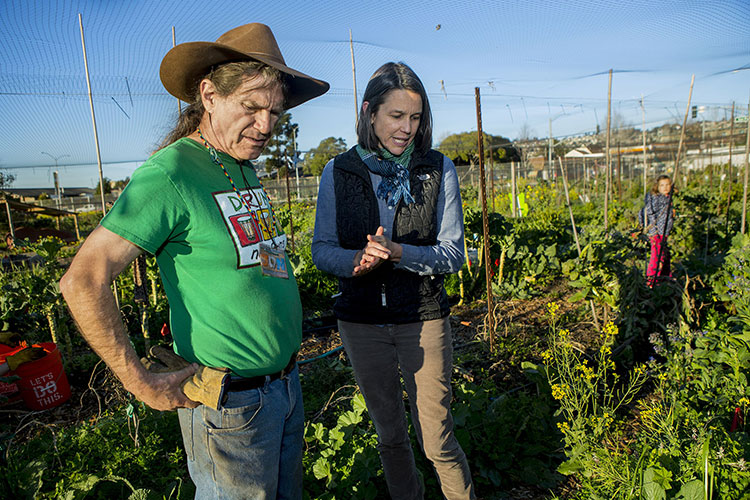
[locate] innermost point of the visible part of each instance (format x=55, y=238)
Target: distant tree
x=463, y=147
x=280, y=144
x=6, y=180
x=317, y=157
x=107, y=187
x=43, y=196
x=121, y=183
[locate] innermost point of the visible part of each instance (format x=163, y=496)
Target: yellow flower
x=564, y=333
x=563, y=426
x=559, y=391
x=552, y=308
x=547, y=355
x=744, y=401
x=610, y=329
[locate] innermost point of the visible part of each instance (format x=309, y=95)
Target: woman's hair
x=393, y=76
x=226, y=78
x=655, y=187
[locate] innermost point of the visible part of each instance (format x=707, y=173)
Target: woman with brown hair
x=389, y=225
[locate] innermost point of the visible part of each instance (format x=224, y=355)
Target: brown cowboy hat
x=187, y=64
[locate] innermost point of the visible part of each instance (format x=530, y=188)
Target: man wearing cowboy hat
x=235, y=311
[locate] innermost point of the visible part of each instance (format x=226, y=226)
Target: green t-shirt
x=180, y=207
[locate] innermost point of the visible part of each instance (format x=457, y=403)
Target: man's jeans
x=424, y=353
x=251, y=448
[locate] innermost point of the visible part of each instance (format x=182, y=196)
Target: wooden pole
x=744, y=190
x=485, y=225
x=354, y=79
x=608, y=169
x=93, y=118
x=174, y=43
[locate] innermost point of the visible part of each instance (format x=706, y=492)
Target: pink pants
x=659, y=248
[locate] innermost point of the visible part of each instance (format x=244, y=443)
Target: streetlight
x=57, y=181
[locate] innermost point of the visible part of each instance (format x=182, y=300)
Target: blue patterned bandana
x=393, y=169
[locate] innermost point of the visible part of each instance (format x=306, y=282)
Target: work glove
x=10, y=339
x=205, y=386
x=24, y=356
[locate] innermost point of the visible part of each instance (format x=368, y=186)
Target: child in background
x=658, y=218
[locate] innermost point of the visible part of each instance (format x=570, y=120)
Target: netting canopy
x=542, y=66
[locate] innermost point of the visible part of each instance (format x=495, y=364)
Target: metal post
x=485, y=226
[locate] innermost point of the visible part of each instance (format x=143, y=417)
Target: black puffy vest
x=388, y=295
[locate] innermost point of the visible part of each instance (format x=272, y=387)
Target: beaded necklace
x=215, y=157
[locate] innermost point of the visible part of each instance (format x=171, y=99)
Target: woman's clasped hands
x=378, y=249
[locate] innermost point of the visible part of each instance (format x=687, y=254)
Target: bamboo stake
x=575, y=235
x=492, y=180
x=682, y=134
x=174, y=43
x=744, y=190
x=140, y=296
x=289, y=203
x=513, y=188
x=485, y=225
x=619, y=171
x=93, y=118
x=354, y=78
x=96, y=138
x=608, y=169
x=645, y=165
x=674, y=178
x=730, y=173
x=10, y=220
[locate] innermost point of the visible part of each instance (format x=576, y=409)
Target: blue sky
x=533, y=60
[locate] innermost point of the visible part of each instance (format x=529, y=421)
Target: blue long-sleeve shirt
x=445, y=257
x=658, y=214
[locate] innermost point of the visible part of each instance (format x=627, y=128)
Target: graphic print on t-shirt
x=248, y=229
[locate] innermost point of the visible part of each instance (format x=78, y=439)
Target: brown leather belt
x=235, y=384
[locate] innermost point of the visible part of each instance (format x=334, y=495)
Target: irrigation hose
x=325, y=354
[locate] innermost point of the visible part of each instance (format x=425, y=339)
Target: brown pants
x=424, y=353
